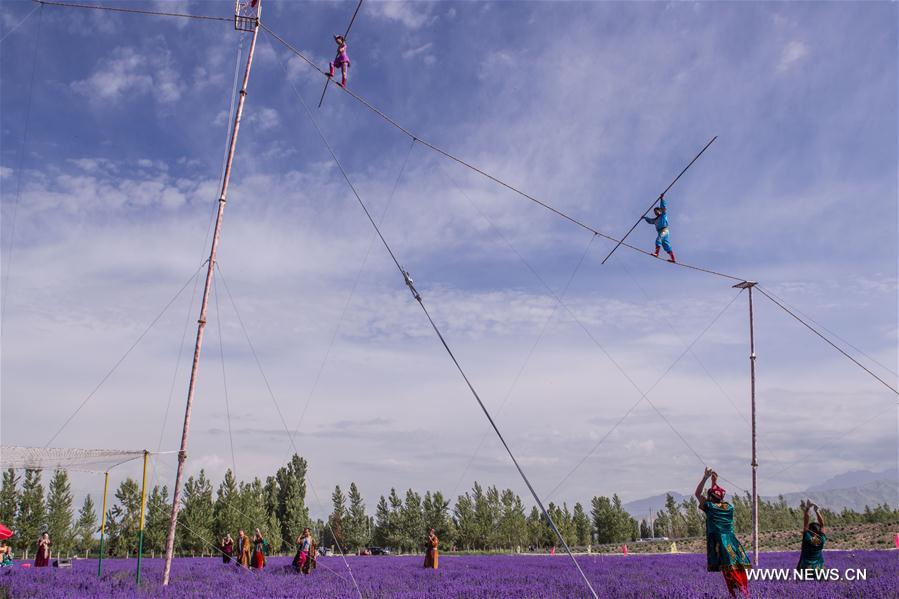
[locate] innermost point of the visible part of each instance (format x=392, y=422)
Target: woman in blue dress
x=724, y=552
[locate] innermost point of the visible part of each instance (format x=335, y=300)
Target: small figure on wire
x=813, y=538
x=342, y=61
x=724, y=553
x=661, y=222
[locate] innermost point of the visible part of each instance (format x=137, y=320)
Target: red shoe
x=343, y=83
x=656, y=252
x=671, y=257
x=330, y=69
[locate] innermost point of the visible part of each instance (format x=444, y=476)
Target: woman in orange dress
x=244, y=550
x=431, y=555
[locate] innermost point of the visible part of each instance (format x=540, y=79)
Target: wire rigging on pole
x=20, y=23
x=352, y=293
x=23, y=149
x=828, y=341
x=345, y=36
x=480, y=171
x=246, y=19
x=134, y=11
x=633, y=406
x=407, y=278
x=287, y=431
x=119, y=362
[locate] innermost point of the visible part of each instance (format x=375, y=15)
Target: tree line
x=684, y=519
x=481, y=519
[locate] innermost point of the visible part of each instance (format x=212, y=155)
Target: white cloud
x=265, y=118
x=128, y=71
x=411, y=14
x=123, y=72
x=419, y=50
x=792, y=55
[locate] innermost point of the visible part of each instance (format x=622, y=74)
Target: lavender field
x=469, y=577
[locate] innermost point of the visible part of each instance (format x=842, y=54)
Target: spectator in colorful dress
x=227, y=548
x=243, y=549
x=258, y=551
x=724, y=553
x=813, y=539
x=431, y=554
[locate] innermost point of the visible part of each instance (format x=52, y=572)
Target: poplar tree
x=437, y=516
x=271, y=524
x=292, y=511
x=252, y=507
x=226, y=516
x=581, y=525
x=159, y=511
x=466, y=525
x=9, y=497
x=334, y=534
x=358, y=533
x=59, y=512
x=31, y=518
x=382, y=528
x=412, y=522
x=197, y=515
x=86, y=526
x=123, y=519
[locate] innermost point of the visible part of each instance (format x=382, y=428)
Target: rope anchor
x=410, y=284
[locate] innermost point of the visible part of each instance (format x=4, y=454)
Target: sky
x=108, y=192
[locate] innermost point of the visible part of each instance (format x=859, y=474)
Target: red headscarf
x=717, y=492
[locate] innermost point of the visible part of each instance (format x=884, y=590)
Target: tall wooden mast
x=755, y=461
x=246, y=18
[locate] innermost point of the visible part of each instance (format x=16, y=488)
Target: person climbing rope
x=813, y=539
x=341, y=60
x=724, y=553
x=661, y=223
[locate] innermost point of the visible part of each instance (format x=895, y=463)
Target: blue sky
x=591, y=107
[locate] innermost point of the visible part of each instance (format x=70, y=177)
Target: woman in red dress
x=42, y=559
x=258, y=550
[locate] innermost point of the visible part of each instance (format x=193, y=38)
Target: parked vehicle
x=379, y=551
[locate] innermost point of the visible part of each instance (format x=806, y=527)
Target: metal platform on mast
x=246, y=15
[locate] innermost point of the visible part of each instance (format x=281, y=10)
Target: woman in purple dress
x=342, y=61
x=227, y=548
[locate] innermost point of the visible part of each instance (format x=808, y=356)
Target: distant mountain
x=854, y=479
x=871, y=489
x=639, y=509
x=855, y=498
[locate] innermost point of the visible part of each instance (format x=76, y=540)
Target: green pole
x=103, y=524
x=143, y=509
